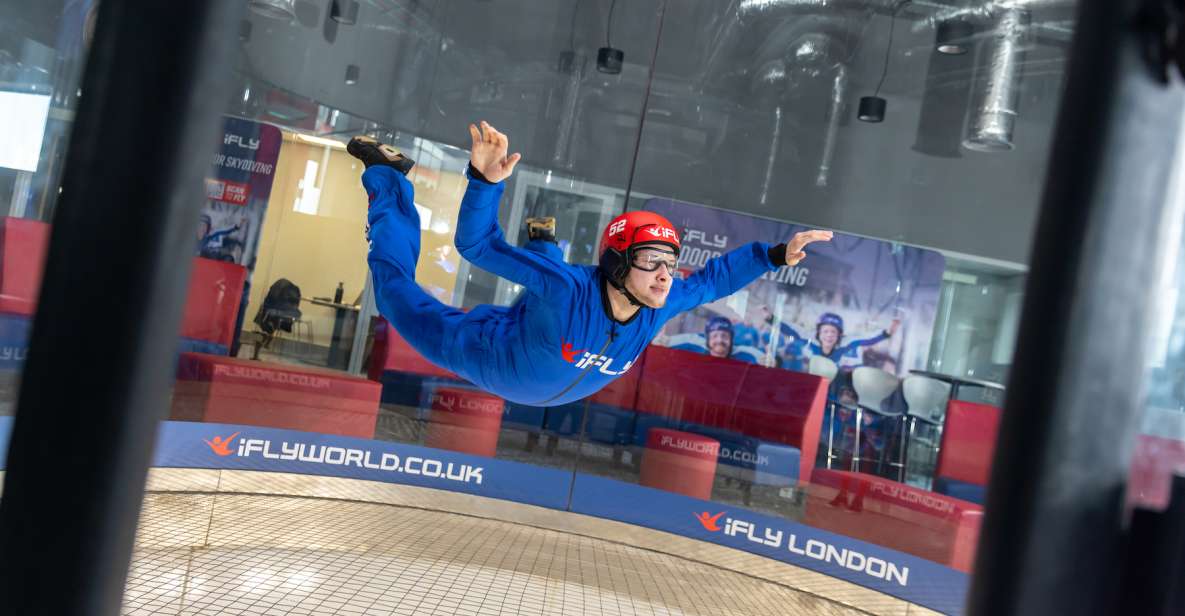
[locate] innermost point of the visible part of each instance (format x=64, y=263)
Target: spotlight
x=872, y=109
x=609, y=60
x=352, y=72
x=344, y=12
x=953, y=37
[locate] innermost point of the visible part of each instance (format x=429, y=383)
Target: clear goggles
x=649, y=259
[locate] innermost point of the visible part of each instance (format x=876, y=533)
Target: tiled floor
x=272, y=555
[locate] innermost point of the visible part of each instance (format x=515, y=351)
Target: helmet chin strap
x=624, y=291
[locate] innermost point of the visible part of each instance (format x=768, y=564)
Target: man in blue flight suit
x=718, y=341
x=578, y=327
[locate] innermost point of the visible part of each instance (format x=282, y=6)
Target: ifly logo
x=602, y=363
x=662, y=232
x=769, y=537
x=446, y=402
x=708, y=521
x=569, y=353
x=220, y=445
x=451, y=402
x=248, y=143
x=345, y=456
x=695, y=235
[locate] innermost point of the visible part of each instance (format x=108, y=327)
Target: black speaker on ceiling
x=609, y=60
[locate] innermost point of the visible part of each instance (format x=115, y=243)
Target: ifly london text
x=343, y=456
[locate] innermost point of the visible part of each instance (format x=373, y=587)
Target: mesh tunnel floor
x=272, y=555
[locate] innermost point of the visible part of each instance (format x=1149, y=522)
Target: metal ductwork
x=274, y=9
x=946, y=97
x=1010, y=24
x=572, y=107
x=750, y=11
x=1050, y=17
x=816, y=51
x=769, y=86
x=994, y=104
x=839, y=91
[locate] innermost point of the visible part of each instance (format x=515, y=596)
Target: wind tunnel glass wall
x=838, y=415
x=43, y=50
x=860, y=391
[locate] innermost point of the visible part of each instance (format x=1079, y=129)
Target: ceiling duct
x=995, y=101
x=751, y=11
x=572, y=108
x=817, y=50
x=769, y=86
x=274, y=9
x=1049, y=19
x=839, y=90
x=945, y=100
x=1009, y=25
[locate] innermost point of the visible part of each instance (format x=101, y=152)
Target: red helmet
x=628, y=231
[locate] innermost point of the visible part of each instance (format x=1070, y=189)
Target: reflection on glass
x=43, y=49
x=1159, y=452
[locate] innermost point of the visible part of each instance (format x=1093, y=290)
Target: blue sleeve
x=745, y=335
x=721, y=277
x=850, y=348
x=480, y=241
x=796, y=347
x=791, y=333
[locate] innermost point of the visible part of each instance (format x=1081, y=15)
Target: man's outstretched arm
x=852, y=347
x=480, y=240
x=732, y=271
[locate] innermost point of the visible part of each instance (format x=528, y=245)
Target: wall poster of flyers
x=237, y=191
x=854, y=300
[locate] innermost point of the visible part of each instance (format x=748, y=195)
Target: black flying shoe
x=371, y=153
x=541, y=229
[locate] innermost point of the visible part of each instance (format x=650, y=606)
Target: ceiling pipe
x=1049, y=17
x=996, y=97
x=769, y=84
x=571, y=112
x=839, y=89
x=749, y=11
x=809, y=57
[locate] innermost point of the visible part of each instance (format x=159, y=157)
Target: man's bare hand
x=794, y=249
x=488, y=154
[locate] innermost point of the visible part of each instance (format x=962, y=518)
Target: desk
x=342, y=313
x=956, y=382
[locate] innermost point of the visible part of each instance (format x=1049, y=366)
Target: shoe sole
x=541, y=228
x=371, y=152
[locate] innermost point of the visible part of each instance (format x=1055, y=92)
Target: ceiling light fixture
x=344, y=12
x=872, y=108
x=953, y=36
x=610, y=59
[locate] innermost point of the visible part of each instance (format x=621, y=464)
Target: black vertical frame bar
x=1052, y=541
x=102, y=350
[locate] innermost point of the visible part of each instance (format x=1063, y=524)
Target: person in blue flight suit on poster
x=829, y=334
x=717, y=341
x=745, y=335
x=579, y=327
